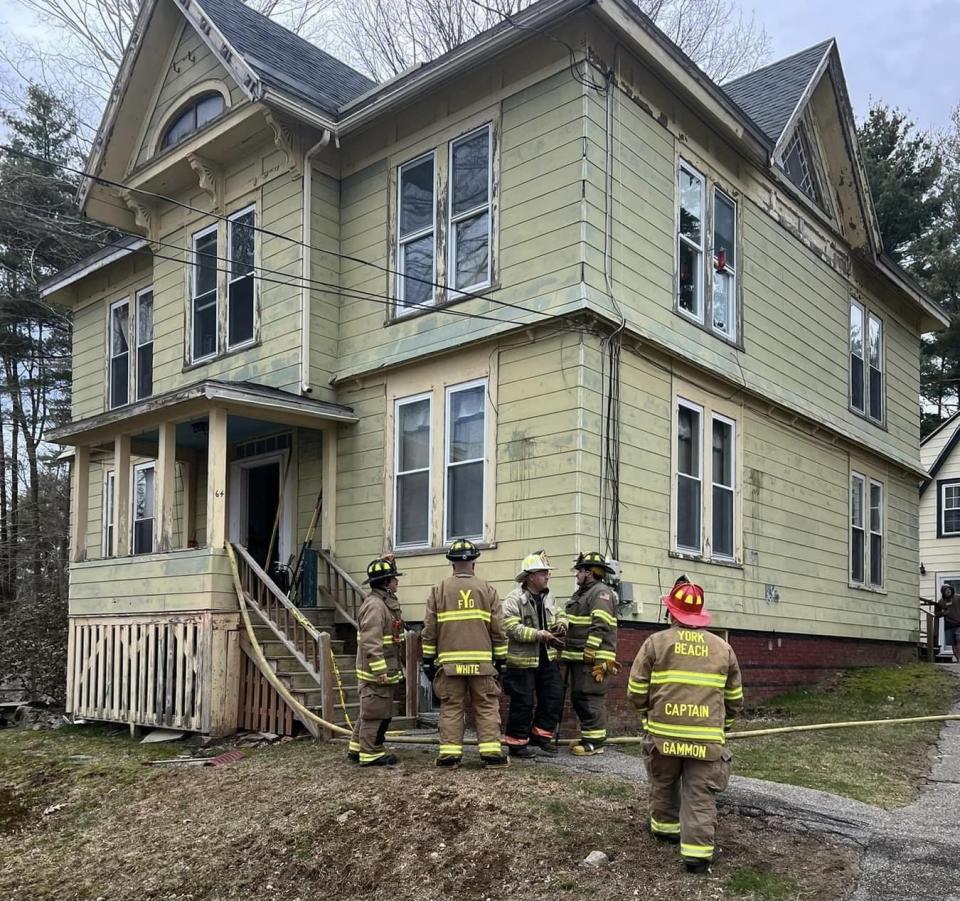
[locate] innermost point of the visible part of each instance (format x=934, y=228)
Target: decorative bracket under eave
x=286, y=136
x=143, y=211
x=209, y=177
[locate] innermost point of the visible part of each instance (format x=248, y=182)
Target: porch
x=158, y=489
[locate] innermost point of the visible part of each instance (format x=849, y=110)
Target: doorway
x=260, y=487
x=945, y=579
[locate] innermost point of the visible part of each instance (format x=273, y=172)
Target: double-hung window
x=948, y=515
x=690, y=240
x=107, y=532
x=469, y=226
x=144, y=343
x=119, y=388
x=866, y=362
x=705, y=522
x=412, y=451
x=416, y=251
x=241, y=239
x=876, y=534
x=707, y=293
x=203, y=299
x=441, y=477
x=144, y=501
x=465, y=461
x=724, y=312
x=857, y=533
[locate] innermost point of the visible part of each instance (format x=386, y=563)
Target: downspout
x=305, y=261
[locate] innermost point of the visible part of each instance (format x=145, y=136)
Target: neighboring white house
x=940, y=514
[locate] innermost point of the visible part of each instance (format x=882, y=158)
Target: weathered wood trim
x=165, y=487
x=79, y=502
x=217, y=478
x=328, y=514
x=121, y=495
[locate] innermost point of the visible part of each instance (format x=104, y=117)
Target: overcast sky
x=904, y=52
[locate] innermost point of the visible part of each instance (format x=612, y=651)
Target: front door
x=263, y=503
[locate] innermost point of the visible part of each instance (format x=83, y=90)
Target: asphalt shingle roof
x=284, y=60
x=770, y=95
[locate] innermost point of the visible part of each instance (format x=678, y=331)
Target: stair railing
x=337, y=584
x=300, y=637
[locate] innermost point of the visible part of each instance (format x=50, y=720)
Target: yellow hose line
x=265, y=667
x=343, y=700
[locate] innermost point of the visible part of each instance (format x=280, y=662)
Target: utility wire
x=472, y=295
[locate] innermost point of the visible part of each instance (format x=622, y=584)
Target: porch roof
x=240, y=398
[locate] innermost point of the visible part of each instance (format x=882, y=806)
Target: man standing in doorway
x=532, y=678
x=949, y=608
x=463, y=647
x=590, y=649
x=379, y=638
x=685, y=682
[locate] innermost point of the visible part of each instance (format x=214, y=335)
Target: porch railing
x=289, y=625
x=337, y=587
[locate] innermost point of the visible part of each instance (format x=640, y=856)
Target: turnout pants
x=376, y=711
x=484, y=694
x=589, y=699
x=536, y=699
x=683, y=798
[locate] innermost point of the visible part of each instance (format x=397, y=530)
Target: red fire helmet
x=686, y=604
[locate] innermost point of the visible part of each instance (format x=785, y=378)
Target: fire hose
x=306, y=714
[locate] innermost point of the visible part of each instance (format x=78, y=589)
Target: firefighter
x=590, y=650
x=464, y=646
x=532, y=678
x=685, y=683
x=379, y=666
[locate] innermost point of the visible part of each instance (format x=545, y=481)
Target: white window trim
x=702, y=249
x=453, y=220
x=864, y=513
x=111, y=356
x=106, y=512
x=876, y=586
x=943, y=510
x=398, y=403
x=239, y=497
x=732, y=487
x=863, y=356
x=447, y=419
x=401, y=308
x=141, y=467
x=734, y=332
x=872, y=317
x=250, y=208
x=699, y=410
x=136, y=342
x=194, y=269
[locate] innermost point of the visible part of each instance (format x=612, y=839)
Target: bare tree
x=384, y=37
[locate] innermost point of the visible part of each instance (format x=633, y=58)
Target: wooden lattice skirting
x=261, y=708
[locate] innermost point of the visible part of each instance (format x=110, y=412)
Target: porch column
x=328, y=515
x=217, y=478
x=121, y=495
x=166, y=480
x=79, y=503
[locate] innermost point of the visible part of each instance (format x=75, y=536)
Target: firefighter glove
x=589, y=654
x=429, y=668
x=603, y=668
x=500, y=665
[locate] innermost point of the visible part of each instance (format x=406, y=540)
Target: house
x=554, y=289
x=940, y=518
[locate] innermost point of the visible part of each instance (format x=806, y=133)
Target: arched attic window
x=193, y=117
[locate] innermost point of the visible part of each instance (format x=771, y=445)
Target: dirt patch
x=294, y=821
x=13, y=812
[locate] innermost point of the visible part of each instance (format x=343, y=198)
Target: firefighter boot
x=585, y=748
x=544, y=746
x=494, y=761
x=385, y=760
x=524, y=752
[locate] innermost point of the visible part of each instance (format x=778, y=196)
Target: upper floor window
x=470, y=210
x=866, y=362
x=799, y=166
x=119, y=344
x=144, y=343
x=948, y=508
x=465, y=461
x=416, y=228
x=200, y=111
x=707, y=294
x=411, y=496
x=467, y=254
x=235, y=294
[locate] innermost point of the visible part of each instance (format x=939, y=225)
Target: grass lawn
x=883, y=765
x=81, y=817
